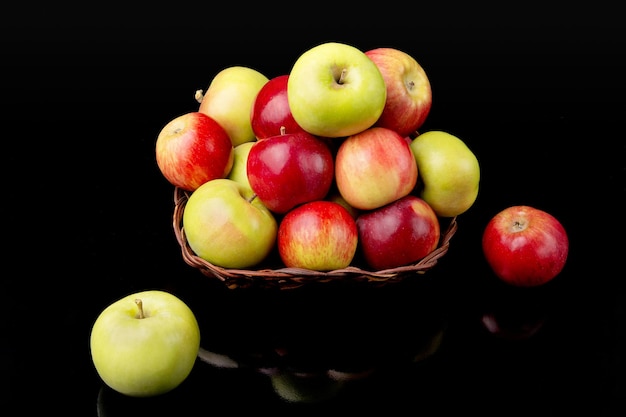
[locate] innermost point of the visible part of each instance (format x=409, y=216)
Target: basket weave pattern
x=289, y=278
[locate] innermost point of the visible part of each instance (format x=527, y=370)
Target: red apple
x=192, y=149
x=399, y=233
x=271, y=111
x=319, y=235
x=374, y=168
x=290, y=169
x=409, y=94
x=525, y=246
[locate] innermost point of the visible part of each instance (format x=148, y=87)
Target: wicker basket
x=289, y=278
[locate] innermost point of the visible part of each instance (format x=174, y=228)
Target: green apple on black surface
x=145, y=344
x=335, y=90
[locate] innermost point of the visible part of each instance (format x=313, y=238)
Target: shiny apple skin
x=291, y=169
x=271, y=111
x=318, y=235
x=409, y=93
x=400, y=233
x=192, y=149
x=375, y=167
x=525, y=246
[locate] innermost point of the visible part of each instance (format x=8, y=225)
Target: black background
x=537, y=93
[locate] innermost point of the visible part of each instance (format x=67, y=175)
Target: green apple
x=227, y=227
x=335, y=90
x=449, y=172
x=229, y=99
x=336, y=197
x=145, y=344
x=239, y=170
x=307, y=389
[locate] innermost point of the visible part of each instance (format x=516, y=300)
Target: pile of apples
x=323, y=164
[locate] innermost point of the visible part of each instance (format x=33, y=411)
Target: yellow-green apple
x=239, y=171
x=145, y=344
x=409, y=93
x=228, y=99
x=525, y=246
x=399, y=233
x=270, y=110
x=336, y=197
x=227, y=227
x=192, y=149
x=335, y=90
x=374, y=167
x=290, y=169
x=319, y=235
x=449, y=172
x=305, y=389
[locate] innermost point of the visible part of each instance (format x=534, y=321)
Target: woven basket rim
x=289, y=278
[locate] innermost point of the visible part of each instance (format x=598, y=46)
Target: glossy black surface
x=538, y=97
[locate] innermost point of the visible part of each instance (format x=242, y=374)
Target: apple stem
x=282, y=130
x=199, y=96
x=251, y=199
x=342, y=76
x=139, y=303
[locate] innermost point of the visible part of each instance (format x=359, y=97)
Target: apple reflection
x=317, y=343
x=316, y=372
x=514, y=314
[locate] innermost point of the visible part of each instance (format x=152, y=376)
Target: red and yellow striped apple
x=192, y=149
x=319, y=235
x=409, y=93
x=374, y=167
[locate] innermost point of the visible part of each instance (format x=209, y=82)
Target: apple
x=145, y=344
x=319, y=235
x=509, y=325
x=336, y=197
x=335, y=90
x=449, y=172
x=227, y=227
x=192, y=149
x=305, y=389
x=290, y=169
x=374, y=167
x=271, y=111
x=409, y=93
x=525, y=246
x=239, y=170
x=399, y=233
x=229, y=98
